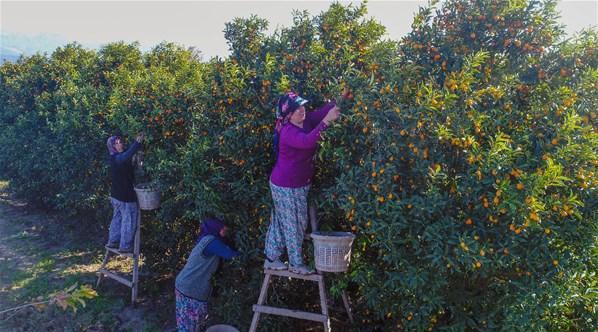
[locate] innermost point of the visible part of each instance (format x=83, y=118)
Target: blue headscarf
x=210, y=226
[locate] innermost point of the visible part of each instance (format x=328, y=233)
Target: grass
x=43, y=254
x=33, y=271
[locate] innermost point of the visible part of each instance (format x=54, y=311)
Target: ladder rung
x=290, y=313
x=286, y=273
x=128, y=254
x=116, y=277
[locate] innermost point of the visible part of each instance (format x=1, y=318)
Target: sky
x=31, y=26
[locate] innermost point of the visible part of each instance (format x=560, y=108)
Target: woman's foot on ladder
x=274, y=265
x=301, y=269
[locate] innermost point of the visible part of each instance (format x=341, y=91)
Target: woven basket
x=332, y=250
x=148, y=196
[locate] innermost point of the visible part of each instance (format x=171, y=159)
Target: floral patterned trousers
x=288, y=223
x=191, y=314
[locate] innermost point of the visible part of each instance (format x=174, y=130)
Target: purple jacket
x=297, y=146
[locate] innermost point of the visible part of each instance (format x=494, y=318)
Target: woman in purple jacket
x=297, y=136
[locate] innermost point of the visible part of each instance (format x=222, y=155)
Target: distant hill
x=9, y=58
x=15, y=45
x=9, y=54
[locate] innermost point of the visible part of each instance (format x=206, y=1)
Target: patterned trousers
x=123, y=224
x=191, y=314
x=288, y=223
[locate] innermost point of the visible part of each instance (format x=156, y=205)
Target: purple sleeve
x=218, y=248
x=295, y=138
x=316, y=116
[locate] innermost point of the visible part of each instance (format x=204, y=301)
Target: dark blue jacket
x=123, y=174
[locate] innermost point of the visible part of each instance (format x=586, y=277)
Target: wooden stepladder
x=323, y=317
x=261, y=308
x=133, y=283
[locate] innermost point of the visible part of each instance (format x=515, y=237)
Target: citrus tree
x=464, y=160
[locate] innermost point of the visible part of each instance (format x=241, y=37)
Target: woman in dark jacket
x=122, y=194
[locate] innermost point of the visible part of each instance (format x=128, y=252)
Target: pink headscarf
x=110, y=144
x=287, y=104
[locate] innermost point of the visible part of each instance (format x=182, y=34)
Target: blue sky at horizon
x=41, y=26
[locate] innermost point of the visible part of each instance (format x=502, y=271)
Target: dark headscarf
x=210, y=226
x=288, y=103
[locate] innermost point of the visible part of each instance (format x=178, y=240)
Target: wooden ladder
x=133, y=283
x=261, y=308
x=324, y=318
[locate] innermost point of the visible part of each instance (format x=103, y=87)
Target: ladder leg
x=264, y=290
x=347, y=307
x=260, y=301
x=313, y=221
x=323, y=304
x=136, y=247
x=135, y=280
x=100, y=274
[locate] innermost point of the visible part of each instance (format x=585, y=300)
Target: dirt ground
x=42, y=253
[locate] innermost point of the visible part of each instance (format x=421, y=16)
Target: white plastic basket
x=148, y=196
x=222, y=328
x=332, y=250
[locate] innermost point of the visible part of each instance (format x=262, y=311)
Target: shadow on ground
x=42, y=253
